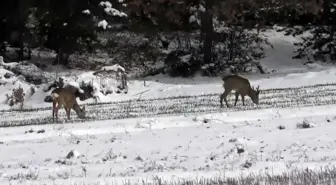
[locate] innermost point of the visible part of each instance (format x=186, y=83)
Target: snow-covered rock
x=73, y=154
x=115, y=67
x=103, y=24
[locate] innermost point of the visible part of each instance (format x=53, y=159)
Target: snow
x=233, y=143
x=201, y=8
x=192, y=9
x=2, y=63
x=186, y=58
x=192, y=19
x=103, y=24
x=74, y=84
x=114, y=12
x=36, y=99
x=313, y=65
x=172, y=147
x=105, y=4
x=86, y=12
x=115, y=68
x=111, y=11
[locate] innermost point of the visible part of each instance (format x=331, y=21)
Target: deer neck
x=250, y=92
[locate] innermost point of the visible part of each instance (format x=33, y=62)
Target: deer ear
x=83, y=108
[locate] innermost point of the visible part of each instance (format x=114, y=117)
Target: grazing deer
x=242, y=87
x=66, y=98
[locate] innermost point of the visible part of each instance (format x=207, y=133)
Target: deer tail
x=223, y=81
x=54, y=96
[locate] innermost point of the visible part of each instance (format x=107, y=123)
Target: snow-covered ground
x=186, y=146
x=170, y=147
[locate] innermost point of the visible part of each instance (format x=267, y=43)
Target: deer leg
x=67, y=110
x=56, y=111
x=53, y=111
x=243, y=100
x=221, y=97
x=237, y=94
x=225, y=94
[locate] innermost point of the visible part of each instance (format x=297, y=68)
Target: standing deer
x=66, y=98
x=242, y=87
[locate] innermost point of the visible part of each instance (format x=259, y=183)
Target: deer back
x=237, y=83
x=68, y=99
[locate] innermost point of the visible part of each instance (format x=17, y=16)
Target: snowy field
x=170, y=147
x=180, y=132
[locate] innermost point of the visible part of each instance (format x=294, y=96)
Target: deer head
x=255, y=95
x=81, y=112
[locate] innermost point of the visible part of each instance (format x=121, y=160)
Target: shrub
x=17, y=97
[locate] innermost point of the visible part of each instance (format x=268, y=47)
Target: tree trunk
x=328, y=21
x=62, y=58
x=207, y=31
x=326, y=12
x=21, y=52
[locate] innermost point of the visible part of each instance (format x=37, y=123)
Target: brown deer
x=66, y=98
x=242, y=87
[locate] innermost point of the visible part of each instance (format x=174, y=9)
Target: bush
x=318, y=46
x=234, y=48
x=305, y=124
x=238, y=49
x=17, y=97
x=181, y=63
